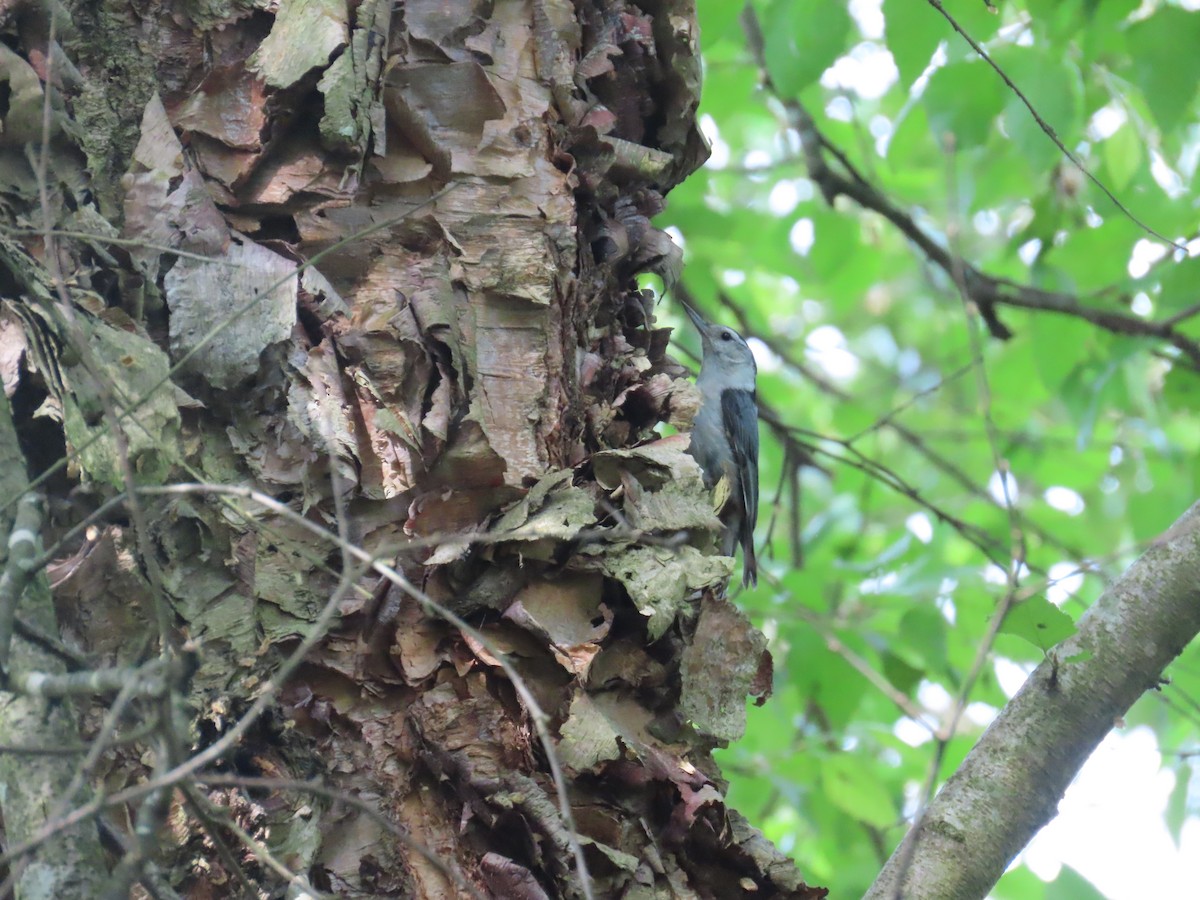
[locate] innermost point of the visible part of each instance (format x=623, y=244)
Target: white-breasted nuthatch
x=725, y=433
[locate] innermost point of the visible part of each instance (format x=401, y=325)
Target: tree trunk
x=348, y=294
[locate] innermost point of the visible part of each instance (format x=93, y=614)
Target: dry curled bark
x=387, y=257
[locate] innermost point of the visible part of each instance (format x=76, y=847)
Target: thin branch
x=104, y=390
x=272, y=686
x=148, y=825
x=298, y=885
x=986, y=291
x=153, y=679
x=1019, y=551
x=860, y=665
x=1046, y=127
x=141, y=244
x=855, y=459
x=212, y=821
x=216, y=331
x=49, y=827
x=1182, y=315
x=19, y=568
x=341, y=796
x=1017, y=555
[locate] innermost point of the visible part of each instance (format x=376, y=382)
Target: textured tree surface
x=378, y=264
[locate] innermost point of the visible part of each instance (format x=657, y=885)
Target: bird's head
x=727, y=356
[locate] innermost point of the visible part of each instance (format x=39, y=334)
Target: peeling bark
x=388, y=256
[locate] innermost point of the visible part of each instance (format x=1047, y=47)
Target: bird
x=725, y=433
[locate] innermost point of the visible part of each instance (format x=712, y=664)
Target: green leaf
x=1009, y=374
x=1081, y=395
x=718, y=21
x=1123, y=156
x=1103, y=35
x=904, y=677
x=1038, y=621
x=1170, y=34
x=1177, y=803
x=1095, y=258
x=1060, y=344
x=913, y=32
x=1019, y=883
x=1180, y=286
x=1055, y=18
x=963, y=100
x=1151, y=513
x=835, y=236
x=973, y=17
x=802, y=40
x=924, y=630
x=825, y=678
x=855, y=789
x=1181, y=390
x=1054, y=88
x=1070, y=885
x=730, y=101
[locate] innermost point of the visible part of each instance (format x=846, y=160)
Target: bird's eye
x=727, y=335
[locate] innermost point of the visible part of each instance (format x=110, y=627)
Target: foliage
x=907, y=399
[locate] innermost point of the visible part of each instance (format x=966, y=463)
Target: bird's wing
x=739, y=415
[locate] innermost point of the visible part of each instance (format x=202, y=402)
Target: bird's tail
x=749, y=564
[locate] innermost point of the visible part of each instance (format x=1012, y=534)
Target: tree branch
x=1046, y=127
x=1010, y=784
x=985, y=291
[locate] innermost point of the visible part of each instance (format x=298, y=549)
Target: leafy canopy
x=927, y=425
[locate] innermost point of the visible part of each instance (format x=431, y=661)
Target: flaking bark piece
x=587, y=736
x=304, y=36
x=669, y=494
x=720, y=667
x=659, y=580
x=554, y=510
x=568, y=615
x=135, y=371
x=248, y=281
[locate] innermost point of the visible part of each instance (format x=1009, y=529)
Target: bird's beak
x=696, y=318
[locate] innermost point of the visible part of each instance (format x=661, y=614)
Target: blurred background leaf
x=876, y=370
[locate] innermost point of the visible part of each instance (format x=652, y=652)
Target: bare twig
x=152, y=813
x=108, y=728
x=343, y=797
x=19, y=568
x=154, y=679
x=272, y=686
x=212, y=821
x=104, y=391
x=1047, y=128
x=864, y=668
x=986, y=291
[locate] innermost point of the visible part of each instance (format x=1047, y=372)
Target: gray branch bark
x=1010, y=784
